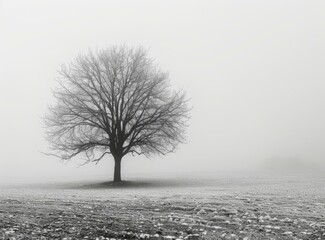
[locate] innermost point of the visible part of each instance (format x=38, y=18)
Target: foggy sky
x=254, y=71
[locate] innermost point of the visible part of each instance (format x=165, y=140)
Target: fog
x=254, y=71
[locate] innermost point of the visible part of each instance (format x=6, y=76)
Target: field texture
x=216, y=208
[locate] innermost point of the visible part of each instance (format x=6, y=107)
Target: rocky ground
x=211, y=209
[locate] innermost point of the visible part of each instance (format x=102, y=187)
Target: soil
x=241, y=208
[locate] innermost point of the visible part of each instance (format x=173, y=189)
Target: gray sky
x=253, y=69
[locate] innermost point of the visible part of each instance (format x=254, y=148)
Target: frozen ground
x=211, y=208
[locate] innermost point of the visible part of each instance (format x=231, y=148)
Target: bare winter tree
x=115, y=101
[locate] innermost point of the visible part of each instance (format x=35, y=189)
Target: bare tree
x=115, y=101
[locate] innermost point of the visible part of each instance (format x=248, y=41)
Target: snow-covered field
x=210, y=208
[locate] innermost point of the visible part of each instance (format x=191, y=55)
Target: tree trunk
x=117, y=169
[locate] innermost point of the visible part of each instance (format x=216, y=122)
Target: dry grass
x=224, y=208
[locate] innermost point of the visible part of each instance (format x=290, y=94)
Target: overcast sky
x=254, y=70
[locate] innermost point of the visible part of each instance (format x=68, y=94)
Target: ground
x=210, y=208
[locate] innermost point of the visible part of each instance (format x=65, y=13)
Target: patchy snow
x=212, y=210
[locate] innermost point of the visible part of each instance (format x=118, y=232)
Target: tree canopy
x=115, y=101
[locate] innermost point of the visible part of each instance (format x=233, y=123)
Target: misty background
x=254, y=71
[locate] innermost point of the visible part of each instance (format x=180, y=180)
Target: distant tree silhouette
x=115, y=101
